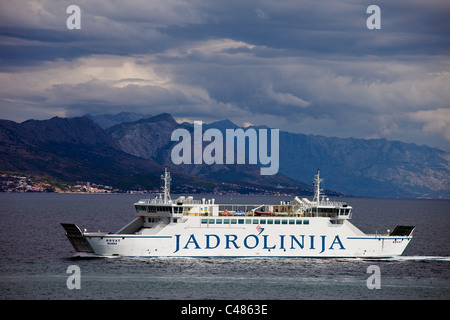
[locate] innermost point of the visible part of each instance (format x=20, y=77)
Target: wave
x=420, y=258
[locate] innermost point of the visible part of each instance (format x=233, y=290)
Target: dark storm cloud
x=307, y=66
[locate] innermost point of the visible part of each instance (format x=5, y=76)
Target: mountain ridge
x=151, y=139
x=361, y=167
x=78, y=148
x=66, y=148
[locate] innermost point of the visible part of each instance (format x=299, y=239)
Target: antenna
x=166, y=179
x=317, y=189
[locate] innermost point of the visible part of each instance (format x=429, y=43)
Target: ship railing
x=154, y=201
x=161, y=201
x=231, y=213
x=328, y=203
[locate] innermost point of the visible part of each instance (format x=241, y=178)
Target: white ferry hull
x=191, y=228
x=318, y=239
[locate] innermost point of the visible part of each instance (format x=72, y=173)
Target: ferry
x=185, y=227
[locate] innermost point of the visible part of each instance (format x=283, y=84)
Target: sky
x=311, y=67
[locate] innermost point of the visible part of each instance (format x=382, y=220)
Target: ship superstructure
x=185, y=227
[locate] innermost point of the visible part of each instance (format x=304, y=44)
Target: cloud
x=435, y=122
x=304, y=66
x=286, y=98
x=105, y=83
x=214, y=47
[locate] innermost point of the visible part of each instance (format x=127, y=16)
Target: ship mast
x=317, y=189
x=166, y=188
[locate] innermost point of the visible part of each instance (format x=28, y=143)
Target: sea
x=36, y=257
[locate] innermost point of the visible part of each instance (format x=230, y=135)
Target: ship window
x=269, y=221
x=233, y=221
x=248, y=221
x=284, y=221
x=305, y=221
x=255, y=221
x=298, y=221
x=218, y=221
x=262, y=221
x=204, y=221
x=226, y=221
x=240, y=221
x=211, y=221
x=277, y=221
x=291, y=221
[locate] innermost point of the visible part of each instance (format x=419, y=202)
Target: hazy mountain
x=151, y=139
x=77, y=149
x=376, y=167
x=108, y=120
x=145, y=137
x=133, y=154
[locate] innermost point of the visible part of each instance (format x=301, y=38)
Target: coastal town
x=20, y=183
x=10, y=182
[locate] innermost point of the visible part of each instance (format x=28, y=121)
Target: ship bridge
x=321, y=206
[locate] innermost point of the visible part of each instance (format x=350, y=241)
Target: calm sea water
x=35, y=254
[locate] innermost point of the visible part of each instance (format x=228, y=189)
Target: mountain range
x=131, y=149
x=68, y=149
x=78, y=149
